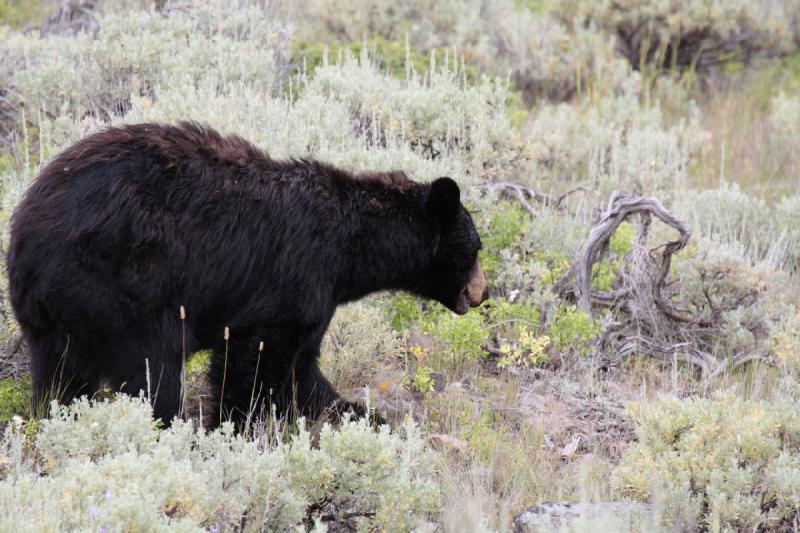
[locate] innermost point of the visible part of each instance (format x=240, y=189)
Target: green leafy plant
x=198, y=363
x=502, y=311
x=422, y=380
x=553, y=266
x=404, y=310
x=606, y=272
x=465, y=335
x=573, y=330
x=506, y=225
x=15, y=398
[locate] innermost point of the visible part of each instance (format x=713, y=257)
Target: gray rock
x=439, y=381
x=608, y=516
x=421, y=340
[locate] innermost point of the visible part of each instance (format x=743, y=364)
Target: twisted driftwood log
x=620, y=207
x=73, y=16
x=646, y=320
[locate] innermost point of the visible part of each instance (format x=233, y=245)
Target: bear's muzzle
x=477, y=290
x=474, y=293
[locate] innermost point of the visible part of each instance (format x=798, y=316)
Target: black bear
x=133, y=226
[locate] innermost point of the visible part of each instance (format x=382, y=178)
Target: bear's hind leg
x=247, y=377
x=58, y=369
x=238, y=391
x=149, y=365
x=247, y=382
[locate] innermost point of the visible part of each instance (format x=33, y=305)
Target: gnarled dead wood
x=620, y=207
x=73, y=16
x=523, y=194
x=644, y=320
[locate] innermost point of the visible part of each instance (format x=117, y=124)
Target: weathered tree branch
x=523, y=194
x=645, y=319
x=620, y=207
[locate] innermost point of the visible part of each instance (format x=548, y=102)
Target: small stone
x=455, y=387
x=571, y=447
x=555, y=516
x=421, y=340
x=439, y=380
x=448, y=443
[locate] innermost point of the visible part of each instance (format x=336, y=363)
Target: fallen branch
x=522, y=194
x=732, y=364
x=620, y=207
x=677, y=352
x=13, y=360
x=644, y=319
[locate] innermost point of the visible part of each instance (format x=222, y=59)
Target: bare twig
x=731, y=364
x=523, y=194
x=13, y=360
x=681, y=352
x=570, y=193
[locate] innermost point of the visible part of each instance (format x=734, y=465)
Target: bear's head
x=454, y=277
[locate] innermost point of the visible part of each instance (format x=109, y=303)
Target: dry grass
x=736, y=111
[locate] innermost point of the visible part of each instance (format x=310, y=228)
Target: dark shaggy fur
x=128, y=225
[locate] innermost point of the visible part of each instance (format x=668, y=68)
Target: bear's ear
x=445, y=199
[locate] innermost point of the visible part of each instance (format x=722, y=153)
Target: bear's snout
x=477, y=290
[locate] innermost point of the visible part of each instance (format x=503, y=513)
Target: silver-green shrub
x=734, y=219
x=352, y=115
x=614, y=142
x=136, y=51
x=105, y=465
x=147, y=67
x=784, y=129
x=546, y=57
x=435, y=112
x=357, y=342
x=543, y=55
x=724, y=463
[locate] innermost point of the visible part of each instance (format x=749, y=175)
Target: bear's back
x=143, y=173
x=156, y=209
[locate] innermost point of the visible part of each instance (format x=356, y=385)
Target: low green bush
x=724, y=463
x=105, y=466
x=573, y=330
x=357, y=340
x=465, y=335
x=15, y=398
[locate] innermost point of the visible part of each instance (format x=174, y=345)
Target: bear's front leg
x=317, y=397
x=248, y=374
x=248, y=378
x=312, y=393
